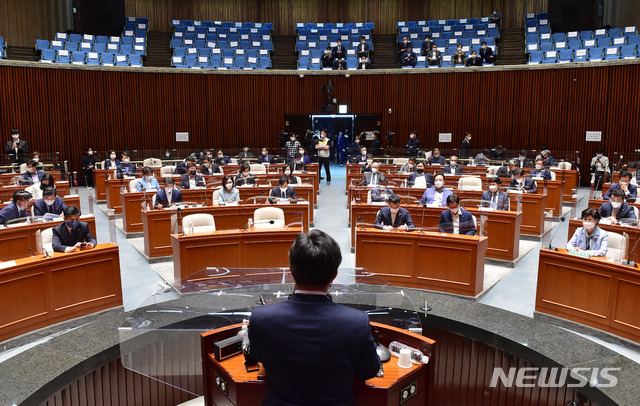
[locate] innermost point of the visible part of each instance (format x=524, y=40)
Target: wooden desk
x=7, y=179
x=6, y=192
x=99, y=180
x=590, y=291
x=69, y=200
x=20, y=241
x=157, y=223
x=596, y=203
x=265, y=248
x=37, y=292
x=502, y=227
x=402, y=258
x=245, y=388
x=634, y=234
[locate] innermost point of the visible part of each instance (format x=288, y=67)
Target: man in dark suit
x=434, y=57
x=192, y=179
x=126, y=168
x=50, y=203
x=495, y=198
x=266, y=157
x=522, y=184
x=330, y=342
x=283, y=191
x=507, y=171
x=17, y=149
x=208, y=168
x=522, y=160
x=221, y=159
x=339, y=56
x=413, y=144
x=327, y=58
x=167, y=196
x=298, y=163
x=394, y=216
x=409, y=58
x=32, y=175
x=617, y=210
x=371, y=177
x=436, y=158
x=499, y=153
x=73, y=234
x=456, y=220
x=540, y=171
x=474, y=59
x=363, y=48
x=486, y=53
x=420, y=179
x=363, y=63
x=426, y=45
x=244, y=177
x=376, y=144
x=453, y=168
x=465, y=146
x=381, y=192
x=19, y=207
x=363, y=157
x=181, y=167
x=624, y=183
x=403, y=46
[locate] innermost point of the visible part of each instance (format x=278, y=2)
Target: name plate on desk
x=577, y=253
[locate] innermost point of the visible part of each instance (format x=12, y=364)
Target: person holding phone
x=72, y=235
x=17, y=149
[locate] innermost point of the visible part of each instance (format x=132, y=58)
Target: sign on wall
x=444, y=137
x=595, y=136
x=182, y=137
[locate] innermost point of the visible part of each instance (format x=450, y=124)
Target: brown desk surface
x=592, y=291
x=37, y=291
x=404, y=259
x=157, y=224
x=247, y=388
x=263, y=248
x=633, y=232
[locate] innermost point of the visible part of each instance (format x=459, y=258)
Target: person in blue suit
x=540, y=171
x=50, y=203
x=147, y=181
x=394, y=216
x=590, y=237
x=32, y=175
x=126, y=168
x=624, y=183
x=18, y=208
x=311, y=347
x=522, y=184
x=453, y=168
x=437, y=194
x=266, y=157
x=112, y=162
x=381, y=192
x=617, y=210
x=342, y=145
x=169, y=195
x=456, y=220
x=494, y=197
x=73, y=234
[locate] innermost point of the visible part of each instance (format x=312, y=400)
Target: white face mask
x=147, y=178
x=229, y=185
x=168, y=189
x=622, y=183
x=49, y=202
x=493, y=188
x=599, y=155
x=369, y=161
x=454, y=163
x=22, y=206
x=436, y=154
x=90, y=152
x=15, y=137
x=220, y=156
x=616, y=205
x=292, y=138
x=484, y=47
x=283, y=189
x=264, y=152
x=167, y=154
x=287, y=172
x=125, y=161
x=588, y=225
x=538, y=167
x=382, y=187
x=412, y=136
x=246, y=149
x=455, y=211
x=112, y=156
x=374, y=170
x=520, y=180
x=301, y=152
x=38, y=159
x=439, y=184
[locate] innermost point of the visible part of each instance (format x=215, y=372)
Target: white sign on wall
x=595, y=136
x=444, y=137
x=182, y=137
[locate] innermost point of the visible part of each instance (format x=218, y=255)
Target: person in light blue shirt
x=148, y=181
x=228, y=193
x=590, y=238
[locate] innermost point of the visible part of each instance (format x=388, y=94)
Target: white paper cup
x=404, y=360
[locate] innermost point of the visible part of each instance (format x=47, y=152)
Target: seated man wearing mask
x=366, y=167
x=192, y=180
x=521, y=184
x=522, y=160
x=148, y=181
x=222, y=159
x=624, y=183
x=456, y=220
x=452, y=168
x=436, y=158
x=437, y=195
x=126, y=169
x=420, y=179
x=50, y=203
x=409, y=167
x=381, y=193
x=540, y=172
x=394, y=216
x=363, y=157
x=169, y=195
x=507, y=171
x=298, y=163
x=590, y=238
x=245, y=178
x=266, y=157
x=208, y=168
x=616, y=210
x=18, y=208
x=283, y=192
x=73, y=234
x=32, y=175
x=371, y=178
x=495, y=198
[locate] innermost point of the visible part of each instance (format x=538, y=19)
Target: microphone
x=554, y=234
x=265, y=222
x=629, y=262
x=619, y=161
x=424, y=206
x=360, y=219
x=204, y=192
x=597, y=186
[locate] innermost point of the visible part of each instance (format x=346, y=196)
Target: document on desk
x=7, y=264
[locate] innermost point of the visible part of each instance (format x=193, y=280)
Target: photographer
x=17, y=149
x=599, y=168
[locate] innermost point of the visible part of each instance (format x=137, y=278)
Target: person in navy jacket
x=330, y=342
x=266, y=157
x=221, y=159
x=126, y=168
x=494, y=197
x=50, y=203
x=436, y=158
x=624, y=183
x=112, y=162
x=540, y=171
x=453, y=168
x=394, y=216
x=456, y=220
x=520, y=183
x=32, y=175
x=18, y=208
x=413, y=144
x=73, y=234
x=192, y=179
x=617, y=210
x=283, y=191
x=169, y=195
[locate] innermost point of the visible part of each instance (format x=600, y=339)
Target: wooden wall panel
x=65, y=110
x=22, y=22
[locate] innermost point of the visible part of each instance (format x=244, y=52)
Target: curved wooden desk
x=592, y=291
x=226, y=382
x=633, y=232
x=37, y=291
x=263, y=248
x=435, y=261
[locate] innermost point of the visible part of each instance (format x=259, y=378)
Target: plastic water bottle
x=250, y=223
x=417, y=357
x=244, y=333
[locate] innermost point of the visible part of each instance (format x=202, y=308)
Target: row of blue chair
x=216, y=62
x=446, y=62
x=332, y=26
x=577, y=44
x=448, y=28
x=334, y=37
x=355, y=32
x=255, y=53
x=139, y=49
x=586, y=35
x=176, y=43
x=455, y=41
x=324, y=44
x=583, y=55
x=215, y=36
x=90, y=58
x=3, y=45
x=220, y=24
x=316, y=63
x=456, y=34
x=536, y=16
x=191, y=31
x=435, y=23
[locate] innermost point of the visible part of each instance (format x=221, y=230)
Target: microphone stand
x=180, y=220
x=424, y=206
x=628, y=260
x=554, y=234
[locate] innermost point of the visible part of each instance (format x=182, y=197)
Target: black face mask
x=420, y=170
x=193, y=172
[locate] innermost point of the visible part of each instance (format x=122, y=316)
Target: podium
x=226, y=382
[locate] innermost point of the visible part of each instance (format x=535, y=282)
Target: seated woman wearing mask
x=228, y=194
x=148, y=181
x=288, y=170
x=590, y=238
x=37, y=188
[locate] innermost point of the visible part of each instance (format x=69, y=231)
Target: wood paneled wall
x=22, y=22
x=284, y=14
x=66, y=110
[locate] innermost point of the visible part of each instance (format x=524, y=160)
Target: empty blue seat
x=93, y=58
x=102, y=39
x=78, y=57
x=135, y=60
x=575, y=44
x=543, y=29
x=586, y=35
x=550, y=57
x=107, y=59
x=126, y=49
x=535, y=57
x=63, y=56
x=580, y=55
x=127, y=41
x=265, y=62
x=600, y=33
x=633, y=40
x=42, y=44
x=596, y=54
x=615, y=32
x=565, y=55
x=121, y=60
x=546, y=46
x=603, y=42
x=611, y=53
x=628, y=51
x=48, y=55
x=558, y=37
x=57, y=45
